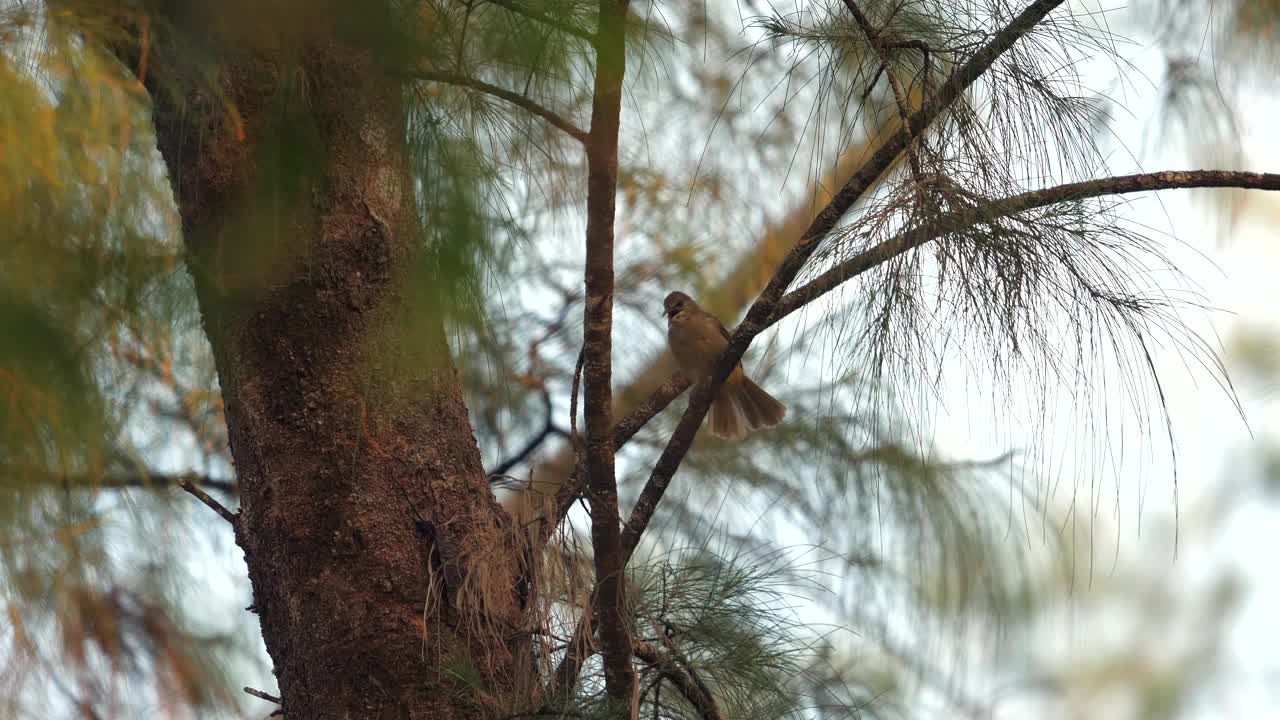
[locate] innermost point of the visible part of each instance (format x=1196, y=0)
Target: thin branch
x=572, y=488
x=549, y=428
x=263, y=695
x=899, y=95
x=684, y=679
x=573, y=404
x=545, y=19
x=602, y=189
x=1012, y=205
x=501, y=93
x=202, y=496
x=622, y=433
x=118, y=481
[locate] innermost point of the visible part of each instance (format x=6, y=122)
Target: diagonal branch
x=886, y=65
x=684, y=678
x=996, y=209
x=822, y=226
x=214, y=505
x=622, y=432
x=515, y=98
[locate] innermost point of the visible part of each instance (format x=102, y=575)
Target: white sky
x=1216, y=462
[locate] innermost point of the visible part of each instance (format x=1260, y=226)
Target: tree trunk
x=365, y=511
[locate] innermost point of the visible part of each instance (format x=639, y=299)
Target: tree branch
x=760, y=311
x=1012, y=205
x=684, y=678
x=899, y=95
x=121, y=481
x=602, y=190
x=544, y=19
x=202, y=496
x=549, y=428
x=501, y=93
x=904, y=242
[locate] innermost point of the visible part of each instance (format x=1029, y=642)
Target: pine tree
x=320, y=246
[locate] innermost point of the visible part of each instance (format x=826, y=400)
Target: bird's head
x=675, y=303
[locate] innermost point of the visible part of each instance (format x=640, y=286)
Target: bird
x=696, y=338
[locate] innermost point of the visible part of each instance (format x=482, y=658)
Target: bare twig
x=202, y=496
x=263, y=695
x=549, y=428
x=573, y=402
x=521, y=101
x=118, y=480
x=602, y=188
x=571, y=489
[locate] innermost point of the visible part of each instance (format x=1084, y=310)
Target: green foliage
x=737, y=621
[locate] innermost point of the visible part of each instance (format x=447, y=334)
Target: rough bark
x=365, y=512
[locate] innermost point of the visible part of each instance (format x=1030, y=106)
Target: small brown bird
x=696, y=339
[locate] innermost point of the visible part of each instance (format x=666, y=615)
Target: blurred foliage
x=97, y=320
x=1143, y=640
x=1255, y=351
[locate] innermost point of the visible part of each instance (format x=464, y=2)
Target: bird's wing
x=723, y=332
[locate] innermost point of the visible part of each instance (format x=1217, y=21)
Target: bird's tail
x=726, y=417
x=761, y=409
x=744, y=406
